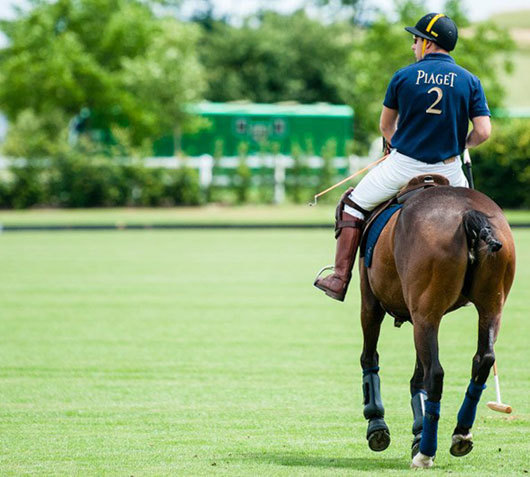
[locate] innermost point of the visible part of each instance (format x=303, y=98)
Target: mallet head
x=499, y=407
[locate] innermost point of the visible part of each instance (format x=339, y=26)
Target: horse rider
x=425, y=116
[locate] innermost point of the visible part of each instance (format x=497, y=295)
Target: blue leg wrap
x=429, y=436
x=468, y=411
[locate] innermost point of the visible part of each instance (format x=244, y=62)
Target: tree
x=171, y=78
x=351, y=10
x=33, y=136
x=274, y=57
x=102, y=55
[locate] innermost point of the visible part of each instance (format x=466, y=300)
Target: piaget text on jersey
x=426, y=78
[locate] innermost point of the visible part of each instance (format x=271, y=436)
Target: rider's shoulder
x=406, y=69
x=471, y=80
x=465, y=72
x=403, y=73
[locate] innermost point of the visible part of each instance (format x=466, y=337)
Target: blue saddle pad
x=375, y=231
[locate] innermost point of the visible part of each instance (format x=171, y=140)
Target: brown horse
x=447, y=246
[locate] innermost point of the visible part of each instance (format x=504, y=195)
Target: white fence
x=278, y=163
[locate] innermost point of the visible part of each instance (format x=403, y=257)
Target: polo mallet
x=320, y=194
x=498, y=406
x=467, y=171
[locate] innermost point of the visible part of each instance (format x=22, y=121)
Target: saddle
x=414, y=186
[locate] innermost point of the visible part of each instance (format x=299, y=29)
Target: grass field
x=209, y=353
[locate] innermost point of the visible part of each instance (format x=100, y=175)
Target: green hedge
x=77, y=181
x=501, y=166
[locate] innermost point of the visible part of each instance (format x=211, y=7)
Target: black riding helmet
x=438, y=28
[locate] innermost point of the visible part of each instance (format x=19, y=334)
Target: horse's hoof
x=422, y=461
x=379, y=440
x=415, y=446
x=461, y=445
x=378, y=434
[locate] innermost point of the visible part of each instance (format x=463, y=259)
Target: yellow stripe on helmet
x=433, y=21
x=428, y=30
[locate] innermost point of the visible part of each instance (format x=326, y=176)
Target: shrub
x=243, y=176
x=501, y=166
x=182, y=187
x=328, y=172
x=28, y=186
x=297, y=177
x=148, y=186
x=73, y=180
x=80, y=182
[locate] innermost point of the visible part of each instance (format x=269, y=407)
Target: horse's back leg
x=372, y=315
x=488, y=325
x=492, y=281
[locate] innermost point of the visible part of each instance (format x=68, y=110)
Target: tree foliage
x=34, y=136
x=275, y=57
x=114, y=57
x=350, y=10
x=137, y=70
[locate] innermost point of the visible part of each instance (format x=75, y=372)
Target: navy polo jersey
x=435, y=99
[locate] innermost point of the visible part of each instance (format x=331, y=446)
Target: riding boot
x=348, y=235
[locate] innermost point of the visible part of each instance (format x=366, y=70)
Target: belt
x=446, y=161
x=450, y=160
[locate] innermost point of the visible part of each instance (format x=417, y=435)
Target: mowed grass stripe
x=216, y=215
x=200, y=353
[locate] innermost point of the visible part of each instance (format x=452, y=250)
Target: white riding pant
x=386, y=179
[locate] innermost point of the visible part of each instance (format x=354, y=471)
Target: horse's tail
x=478, y=227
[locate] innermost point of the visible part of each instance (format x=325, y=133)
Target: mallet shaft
x=498, y=406
x=497, y=385
x=348, y=178
x=467, y=169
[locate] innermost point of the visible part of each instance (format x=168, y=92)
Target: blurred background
x=112, y=103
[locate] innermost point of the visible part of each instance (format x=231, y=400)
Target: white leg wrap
x=457, y=438
x=422, y=461
x=461, y=445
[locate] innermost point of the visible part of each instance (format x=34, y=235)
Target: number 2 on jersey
x=431, y=109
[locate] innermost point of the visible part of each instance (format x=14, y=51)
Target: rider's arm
x=388, y=123
x=480, y=132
